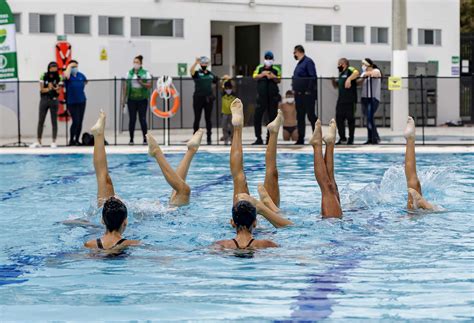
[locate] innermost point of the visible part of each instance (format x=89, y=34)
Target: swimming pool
x=379, y=262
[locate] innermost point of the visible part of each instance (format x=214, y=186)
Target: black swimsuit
x=237, y=244
x=101, y=246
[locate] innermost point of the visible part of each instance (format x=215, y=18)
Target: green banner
x=8, y=59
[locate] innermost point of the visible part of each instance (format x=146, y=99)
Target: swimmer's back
x=107, y=245
x=253, y=244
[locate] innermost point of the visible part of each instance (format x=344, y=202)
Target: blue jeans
x=369, y=107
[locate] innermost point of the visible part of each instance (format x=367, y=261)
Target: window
x=111, y=26
x=429, y=37
x=409, y=36
x=328, y=33
x=42, y=23
x=77, y=24
x=157, y=27
x=17, y=18
x=355, y=34
x=379, y=35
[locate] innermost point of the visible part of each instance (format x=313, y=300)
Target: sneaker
x=53, y=145
x=145, y=142
x=35, y=145
x=131, y=143
x=341, y=142
x=259, y=141
x=350, y=141
x=299, y=142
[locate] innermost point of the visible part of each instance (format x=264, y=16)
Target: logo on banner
x=3, y=62
x=3, y=35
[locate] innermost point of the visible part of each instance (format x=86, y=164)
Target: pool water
x=378, y=262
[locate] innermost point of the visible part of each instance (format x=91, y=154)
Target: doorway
x=247, y=49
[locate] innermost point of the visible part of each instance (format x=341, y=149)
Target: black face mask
x=340, y=68
x=296, y=57
x=203, y=68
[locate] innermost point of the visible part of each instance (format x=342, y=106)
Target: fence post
x=18, y=111
x=320, y=98
x=115, y=110
x=422, y=109
x=181, y=101
x=217, y=109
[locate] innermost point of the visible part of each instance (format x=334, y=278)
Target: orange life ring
x=171, y=91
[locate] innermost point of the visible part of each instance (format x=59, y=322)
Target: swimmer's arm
x=91, y=244
x=132, y=243
x=269, y=244
x=274, y=218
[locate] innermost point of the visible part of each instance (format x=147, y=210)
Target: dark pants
x=369, y=107
x=265, y=103
x=140, y=107
x=45, y=105
x=77, y=113
x=345, y=111
x=305, y=105
x=203, y=103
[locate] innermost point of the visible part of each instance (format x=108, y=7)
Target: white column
x=399, y=98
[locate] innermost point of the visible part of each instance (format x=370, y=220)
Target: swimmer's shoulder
x=224, y=244
x=91, y=244
x=261, y=244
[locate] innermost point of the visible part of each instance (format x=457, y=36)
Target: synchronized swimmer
x=245, y=207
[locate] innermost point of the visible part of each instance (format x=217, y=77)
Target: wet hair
x=372, y=64
x=114, y=213
x=244, y=215
x=140, y=58
x=289, y=92
x=299, y=48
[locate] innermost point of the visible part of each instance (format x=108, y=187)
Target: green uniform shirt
x=227, y=99
x=203, y=82
x=266, y=87
x=136, y=91
x=347, y=95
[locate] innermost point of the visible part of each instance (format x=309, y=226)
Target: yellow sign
x=394, y=83
x=103, y=55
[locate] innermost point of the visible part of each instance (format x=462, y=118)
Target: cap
x=204, y=60
x=268, y=54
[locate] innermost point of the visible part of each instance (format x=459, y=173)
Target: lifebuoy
x=170, y=92
x=63, y=57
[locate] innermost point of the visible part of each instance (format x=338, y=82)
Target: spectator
x=371, y=84
x=346, y=101
x=50, y=83
x=74, y=82
x=203, y=98
x=268, y=94
x=228, y=96
x=287, y=106
x=137, y=92
x=305, y=90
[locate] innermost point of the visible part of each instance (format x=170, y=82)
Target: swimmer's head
x=244, y=216
x=114, y=215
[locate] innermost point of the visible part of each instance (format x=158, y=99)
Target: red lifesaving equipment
x=171, y=93
x=63, y=57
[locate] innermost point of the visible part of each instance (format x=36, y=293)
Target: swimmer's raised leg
x=330, y=140
x=266, y=199
x=330, y=206
x=273, y=217
x=413, y=183
x=182, y=189
x=271, y=171
x=236, y=153
x=105, y=188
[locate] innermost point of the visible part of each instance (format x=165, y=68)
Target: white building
x=168, y=32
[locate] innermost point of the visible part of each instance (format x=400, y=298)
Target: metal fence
x=432, y=101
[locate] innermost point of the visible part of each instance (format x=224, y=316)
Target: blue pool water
x=378, y=262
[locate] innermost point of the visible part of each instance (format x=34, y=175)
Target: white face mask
x=136, y=66
x=228, y=91
x=289, y=100
x=268, y=62
x=364, y=68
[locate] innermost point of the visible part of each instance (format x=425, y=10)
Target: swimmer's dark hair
x=244, y=215
x=113, y=214
x=140, y=58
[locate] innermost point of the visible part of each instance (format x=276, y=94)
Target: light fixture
x=252, y=3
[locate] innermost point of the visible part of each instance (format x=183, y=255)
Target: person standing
x=287, y=106
x=203, y=98
x=370, y=97
x=50, y=83
x=305, y=88
x=346, y=101
x=75, y=82
x=268, y=94
x=137, y=92
x=228, y=96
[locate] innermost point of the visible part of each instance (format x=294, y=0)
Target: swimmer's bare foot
x=418, y=201
x=248, y=198
x=98, y=128
x=410, y=129
x=195, y=140
x=330, y=137
x=153, y=146
x=317, y=134
x=237, y=113
x=266, y=199
x=275, y=125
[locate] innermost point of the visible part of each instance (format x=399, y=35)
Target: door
x=247, y=49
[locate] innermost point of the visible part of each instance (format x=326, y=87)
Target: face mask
x=296, y=57
x=204, y=67
x=364, y=68
x=289, y=100
x=268, y=62
x=340, y=68
x=74, y=70
x=136, y=66
x=228, y=91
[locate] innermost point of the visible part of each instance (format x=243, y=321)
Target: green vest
x=141, y=93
